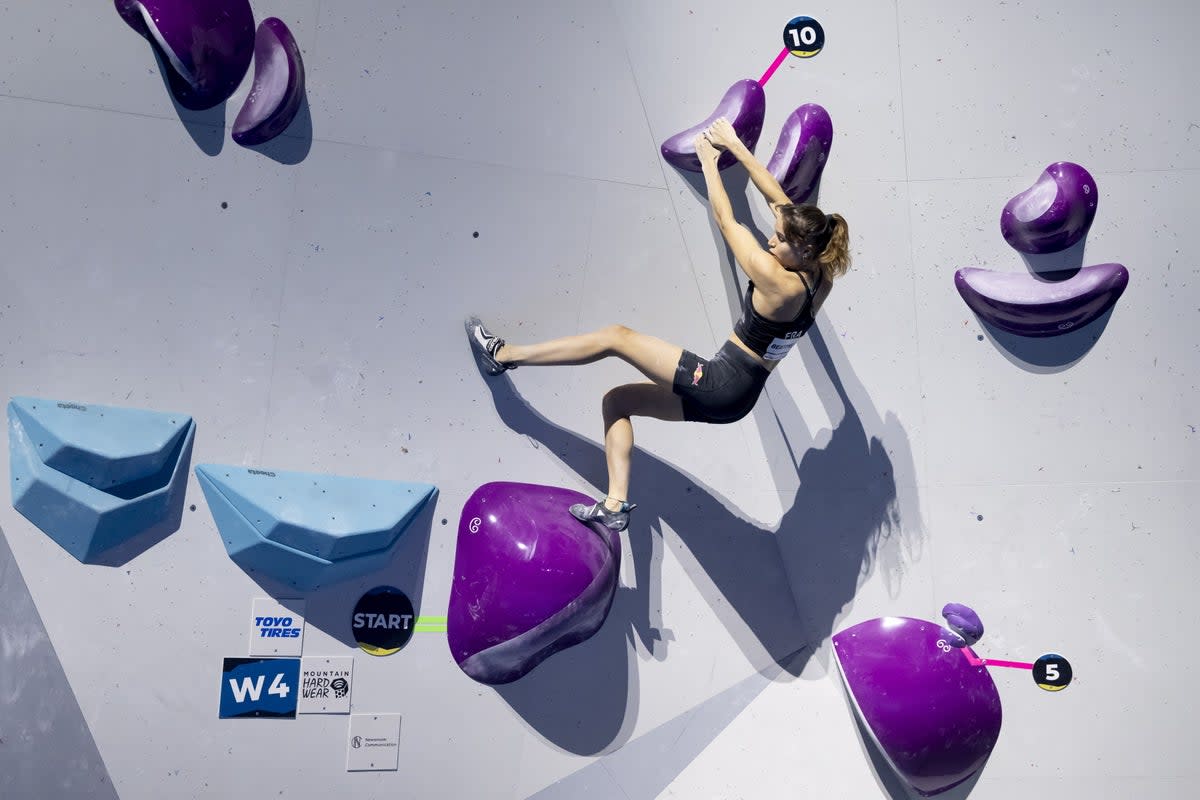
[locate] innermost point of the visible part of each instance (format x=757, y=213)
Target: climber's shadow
x=776, y=590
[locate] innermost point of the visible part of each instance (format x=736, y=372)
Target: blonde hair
x=815, y=234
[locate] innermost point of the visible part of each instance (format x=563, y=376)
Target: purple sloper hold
x=802, y=152
x=965, y=624
x=934, y=716
x=1054, y=213
x=208, y=44
x=529, y=579
x=744, y=105
x=278, y=86
x=1020, y=303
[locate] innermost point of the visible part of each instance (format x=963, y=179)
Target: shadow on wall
x=848, y=496
x=330, y=608
x=207, y=126
x=46, y=747
x=1051, y=354
x=180, y=462
x=780, y=589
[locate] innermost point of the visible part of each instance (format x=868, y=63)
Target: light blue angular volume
x=91, y=476
x=309, y=530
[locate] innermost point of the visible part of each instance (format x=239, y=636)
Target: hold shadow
x=292, y=145
x=329, y=608
x=584, y=699
x=206, y=126
x=179, y=463
x=1056, y=266
x=1048, y=354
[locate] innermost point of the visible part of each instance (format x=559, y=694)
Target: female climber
x=787, y=283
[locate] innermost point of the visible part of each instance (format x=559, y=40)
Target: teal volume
x=92, y=477
x=308, y=530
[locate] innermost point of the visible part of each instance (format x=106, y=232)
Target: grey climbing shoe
x=486, y=345
x=615, y=520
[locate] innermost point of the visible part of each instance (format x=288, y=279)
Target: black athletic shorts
x=721, y=389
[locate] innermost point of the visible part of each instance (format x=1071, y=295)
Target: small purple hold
x=802, y=152
x=964, y=622
x=278, y=86
x=744, y=105
x=1054, y=213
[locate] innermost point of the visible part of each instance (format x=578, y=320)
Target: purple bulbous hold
x=278, y=86
x=802, y=152
x=744, y=105
x=935, y=716
x=207, y=43
x=1022, y=304
x=1054, y=213
x=964, y=622
x=529, y=579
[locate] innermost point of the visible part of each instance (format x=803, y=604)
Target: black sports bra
x=773, y=339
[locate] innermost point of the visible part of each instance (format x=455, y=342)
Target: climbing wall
x=274, y=261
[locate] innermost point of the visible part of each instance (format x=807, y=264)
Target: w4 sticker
x=259, y=687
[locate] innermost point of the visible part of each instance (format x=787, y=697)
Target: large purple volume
x=1022, y=304
x=744, y=105
x=278, y=85
x=802, y=152
x=934, y=716
x=1054, y=213
x=529, y=579
x=208, y=44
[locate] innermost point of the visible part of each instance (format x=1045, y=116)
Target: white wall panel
x=304, y=303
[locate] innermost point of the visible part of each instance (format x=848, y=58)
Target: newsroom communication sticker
x=373, y=742
x=383, y=621
x=1052, y=672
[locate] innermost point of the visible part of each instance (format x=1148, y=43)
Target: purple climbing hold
x=207, y=43
x=1022, y=304
x=802, y=152
x=529, y=579
x=965, y=626
x=934, y=716
x=951, y=637
x=278, y=86
x=1054, y=213
x=744, y=105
